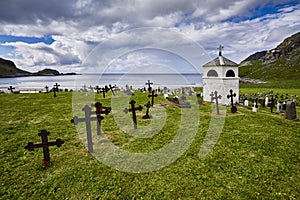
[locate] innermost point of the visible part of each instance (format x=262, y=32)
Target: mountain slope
x=8, y=68
x=280, y=63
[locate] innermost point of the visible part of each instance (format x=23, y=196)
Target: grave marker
x=272, y=103
x=11, y=88
x=147, y=116
x=291, y=111
x=111, y=88
x=97, y=89
x=133, y=109
x=233, y=108
x=56, y=87
x=152, y=96
x=47, y=89
x=45, y=144
x=214, y=96
x=149, y=85
x=100, y=110
x=87, y=119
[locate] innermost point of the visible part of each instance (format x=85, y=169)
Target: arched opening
x=230, y=73
x=212, y=73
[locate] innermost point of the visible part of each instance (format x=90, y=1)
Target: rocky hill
x=8, y=69
x=280, y=63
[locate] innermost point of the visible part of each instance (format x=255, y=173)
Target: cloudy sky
x=85, y=35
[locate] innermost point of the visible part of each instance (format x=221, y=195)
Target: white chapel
x=221, y=75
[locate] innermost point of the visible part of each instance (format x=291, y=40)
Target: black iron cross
x=47, y=88
x=111, y=88
x=54, y=91
x=11, y=88
x=100, y=110
x=220, y=50
x=56, y=86
x=233, y=108
x=103, y=92
x=214, y=96
x=147, y=116
x=152, y=95
x=97, y=89
x=149, y=85
x=45, y=144
x=87, y=119
x=133, y=109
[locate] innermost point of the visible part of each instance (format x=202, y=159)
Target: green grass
x=256, y=157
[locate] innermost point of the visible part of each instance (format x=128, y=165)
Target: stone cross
x=100, y=110
x=233, y=108
x=291, y=111
x=133, y=109
x=152, y=95
x=11, y=88
x=47, y=88
x=214, y=96
x=45, y=145
x=147, y=116
x=87, y=119
x=149, y=85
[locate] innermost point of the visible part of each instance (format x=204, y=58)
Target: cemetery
x=256, y=156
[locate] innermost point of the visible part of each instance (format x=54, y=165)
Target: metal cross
x=152, y=95
x=111, y=88
x=11, y=88
x=233, y=108
x=101, y=110
x=149, y=85
x=133, y=109
x=45, y=144
x=220, y=50
x=47, y=88
x=97, y=89
x=147, y=116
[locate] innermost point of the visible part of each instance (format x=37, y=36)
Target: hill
x=8, y=69
x=280, y=63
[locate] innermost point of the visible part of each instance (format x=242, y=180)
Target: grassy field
x=256, y=157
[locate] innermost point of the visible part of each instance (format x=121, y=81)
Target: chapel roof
x=220, y=61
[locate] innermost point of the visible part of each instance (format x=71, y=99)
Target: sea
x=77, y=82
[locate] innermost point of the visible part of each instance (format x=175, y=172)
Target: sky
x=138, y=35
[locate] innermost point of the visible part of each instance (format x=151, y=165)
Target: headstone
x=278, y=108
x=45, y=145
x=291, y=111
x=11, y=88
x=152, y=97
x=149, y=86
x=233, y=108
x=266, y=101
x=284, y=106
x=147, y=116
x=255, y=105
x=133, y=109
x=214, y=96
x=246, y=102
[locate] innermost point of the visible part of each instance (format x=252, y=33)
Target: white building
x=221, y=75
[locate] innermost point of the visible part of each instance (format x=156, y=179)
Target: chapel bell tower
x=221, y=75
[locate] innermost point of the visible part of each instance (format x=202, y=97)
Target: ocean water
x=121, y=80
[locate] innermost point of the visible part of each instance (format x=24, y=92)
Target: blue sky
x=65, y=35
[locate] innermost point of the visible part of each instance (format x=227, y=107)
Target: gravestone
x=100, y=110
x=278, y=108
x=152, y=97
x=133, y=109
x=214, y=96
x=291, y=111
x=11, y=88
x=233, y=108
x=255, y=105
x=246, y=102
x=147, y=116
x=272, y=103
x=149, y=86
x=266, y=101
x=45, y=145
x=284, y=106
